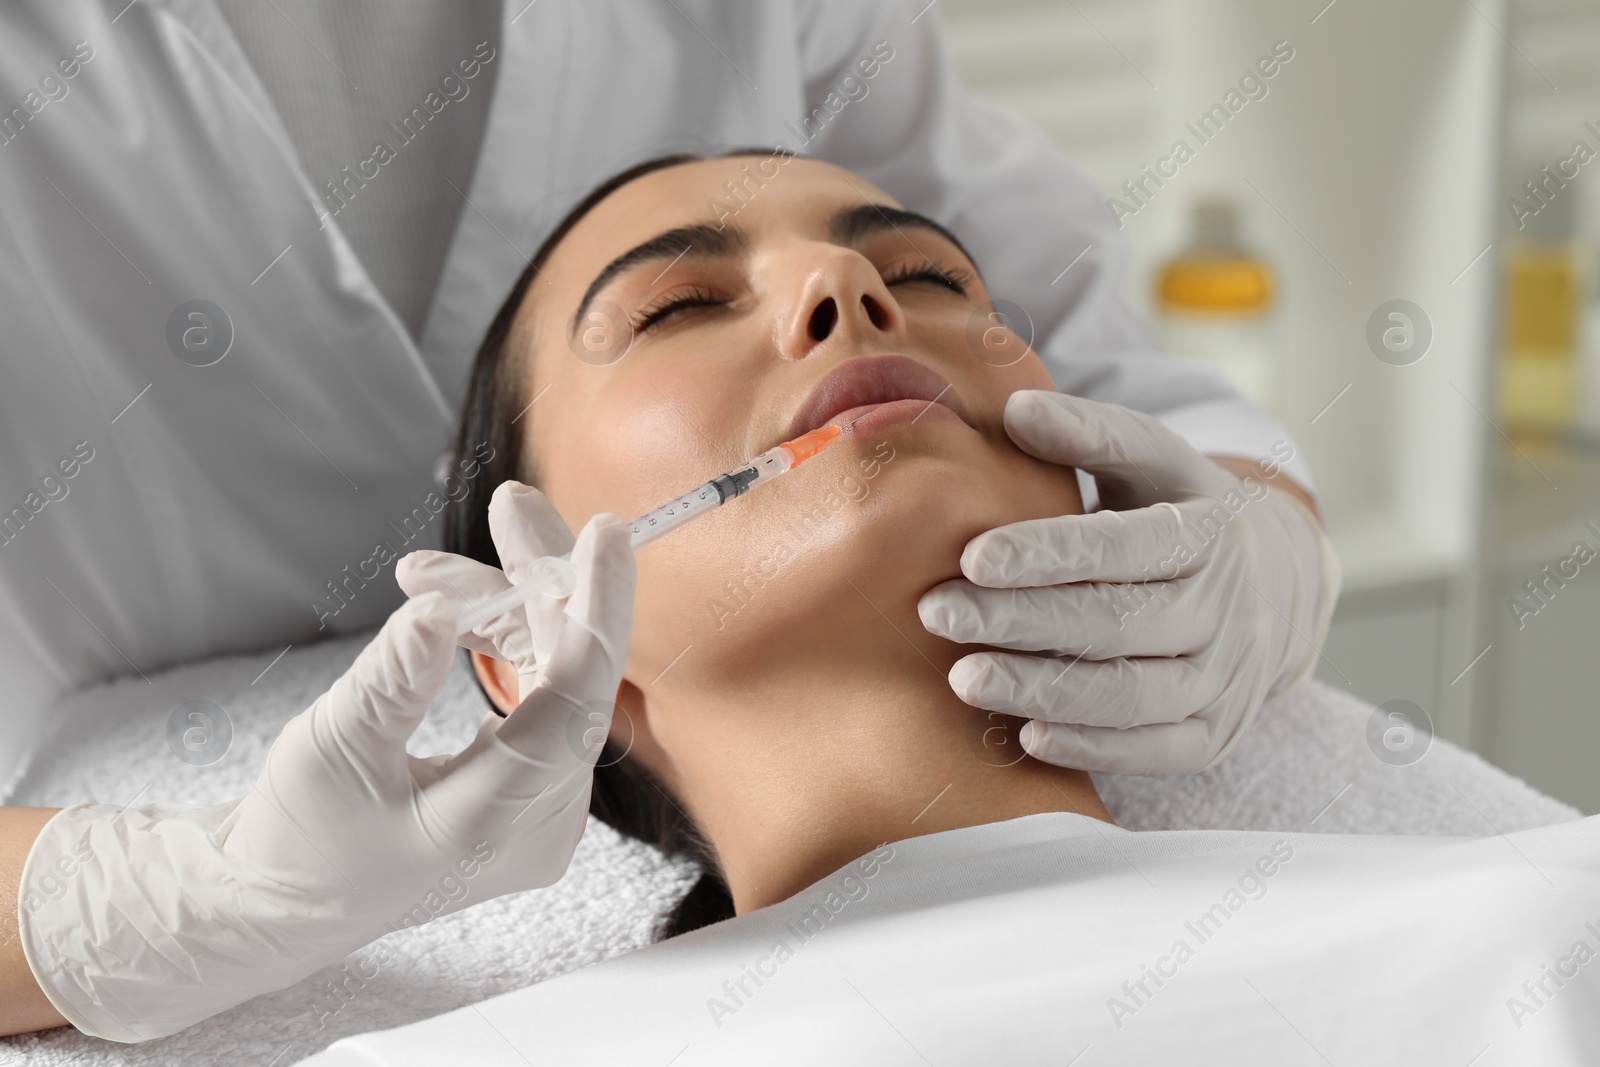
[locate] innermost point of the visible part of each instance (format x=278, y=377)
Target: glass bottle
x=1537, y=378
x=1215, y=300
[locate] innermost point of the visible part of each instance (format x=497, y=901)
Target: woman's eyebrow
x=868, y=220
x=700, y=240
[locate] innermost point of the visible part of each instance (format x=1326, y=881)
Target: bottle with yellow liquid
x=1215, y=302
x=1537, y=380
x=1587, y=416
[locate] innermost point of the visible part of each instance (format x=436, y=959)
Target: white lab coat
x=220, y=502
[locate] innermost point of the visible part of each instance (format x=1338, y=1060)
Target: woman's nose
x=841, y=299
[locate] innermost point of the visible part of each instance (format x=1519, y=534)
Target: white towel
x=1305, y=766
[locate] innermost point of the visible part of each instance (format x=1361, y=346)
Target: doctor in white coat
x=247, y=251
x=246, y=254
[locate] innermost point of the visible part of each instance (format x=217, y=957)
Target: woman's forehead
x=757, y=194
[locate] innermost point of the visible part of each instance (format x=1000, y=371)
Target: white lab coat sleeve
x=1039, y=229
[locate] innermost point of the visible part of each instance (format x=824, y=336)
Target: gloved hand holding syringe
x=344, y=831
x=554, y=576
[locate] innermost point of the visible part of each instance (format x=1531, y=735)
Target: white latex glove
x=1236, y=587
x=533, y=529
x=175, y=913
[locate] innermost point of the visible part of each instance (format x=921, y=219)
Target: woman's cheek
x=884, y=519
x=659, y=617
x=751, y=569
x=1028, y=372
x=626, y=460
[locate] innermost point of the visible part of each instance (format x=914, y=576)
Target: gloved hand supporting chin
x=1166, y=620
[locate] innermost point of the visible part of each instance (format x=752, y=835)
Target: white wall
x=1367, y=173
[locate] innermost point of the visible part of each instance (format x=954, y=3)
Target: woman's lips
x=864, y=382
x=869, y=417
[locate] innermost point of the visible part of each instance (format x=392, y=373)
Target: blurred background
x=1393, y=241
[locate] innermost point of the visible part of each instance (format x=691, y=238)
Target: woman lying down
x=888, y=876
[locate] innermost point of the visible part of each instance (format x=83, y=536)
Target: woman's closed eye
x=671, y=304
x=674, y=303
x=955, y=279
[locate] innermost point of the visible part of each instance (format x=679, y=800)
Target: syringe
x=554, y=574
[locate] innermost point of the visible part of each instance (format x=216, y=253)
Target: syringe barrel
x=555, y=575
x=718, y=491
x=674, y=513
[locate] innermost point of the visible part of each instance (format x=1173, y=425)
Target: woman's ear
x=630, y=724
x=628, y=720
x=499, y=680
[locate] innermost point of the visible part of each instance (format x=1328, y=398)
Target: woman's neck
x=797, y=774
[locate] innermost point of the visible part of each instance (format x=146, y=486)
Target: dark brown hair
x=626, y=796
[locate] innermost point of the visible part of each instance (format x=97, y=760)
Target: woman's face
x=819, y=281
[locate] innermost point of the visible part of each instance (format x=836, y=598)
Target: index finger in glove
x=526, y=526
x=466, y=583
x=1108, y=546
x=586, y=664
x=1136, y=461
